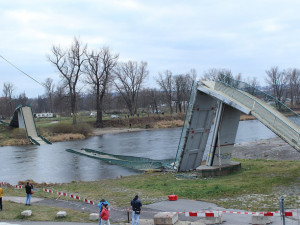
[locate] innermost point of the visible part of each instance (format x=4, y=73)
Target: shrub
x=61, y=128
x=80, y=128
x=18, y=133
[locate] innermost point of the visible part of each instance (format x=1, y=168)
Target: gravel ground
x=269, y=149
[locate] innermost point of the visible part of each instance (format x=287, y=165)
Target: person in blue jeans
x=28, y=188
x=136, y=205
x=100, y=205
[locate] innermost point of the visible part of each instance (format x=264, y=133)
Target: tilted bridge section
x=214, y=109
x=210, y=126
x=23, y=118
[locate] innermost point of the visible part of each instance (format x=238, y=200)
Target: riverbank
x=64, y=130
x=113, y=130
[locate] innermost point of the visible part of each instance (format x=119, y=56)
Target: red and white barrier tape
x=188, y=214
x=75, y=197
x=62, y=193
x=276, y=213
x=217, y=213
x=203, y=214
x=88, y=201
x=47, y=190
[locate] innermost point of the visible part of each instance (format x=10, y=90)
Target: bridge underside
x=211, y=125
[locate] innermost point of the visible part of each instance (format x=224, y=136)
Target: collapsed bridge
x=215, y=108
x=211, y=125
x=23, y=118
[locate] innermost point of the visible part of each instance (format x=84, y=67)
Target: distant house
x=43, y=115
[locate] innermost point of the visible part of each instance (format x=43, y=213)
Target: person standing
x=1, y=193
x=136, y=205
x=100, y=205
x=28, y=188
x=105, y=215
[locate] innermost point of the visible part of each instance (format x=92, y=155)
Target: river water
x=51, y=163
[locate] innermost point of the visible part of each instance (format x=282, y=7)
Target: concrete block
x=261, y=220
x=26, y=213
x=165, y=218
x=61, y=214
x=94, y=216
x=213, y=220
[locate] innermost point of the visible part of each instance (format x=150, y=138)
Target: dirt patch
x=268, y=149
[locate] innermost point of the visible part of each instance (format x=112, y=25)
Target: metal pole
x=282, y=213
x=128, y=215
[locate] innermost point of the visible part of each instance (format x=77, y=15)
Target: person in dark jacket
x=136, y=205
x=1, y=193
x=28, y=188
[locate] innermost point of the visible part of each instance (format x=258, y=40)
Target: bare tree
x=22, y=99
x=165, y=81
x=190, y=78
x=214, y=74
x=69, y=63
x=193, y=74
x=49, y=88
x=151, y=99
x=99, y=68
x=253, y=85
x=293, y=81
x=276, y=79
x=59, y=99
x=211, y=75
x=253, y=82
x=179, y=90
x=8, y=89
x=129, y=78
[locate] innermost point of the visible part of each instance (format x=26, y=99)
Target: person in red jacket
x=105, y=215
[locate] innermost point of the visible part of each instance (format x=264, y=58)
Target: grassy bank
x=12, y=211
x=256, y=187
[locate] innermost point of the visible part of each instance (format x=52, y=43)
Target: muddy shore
x=268, y=149
x=109, y=130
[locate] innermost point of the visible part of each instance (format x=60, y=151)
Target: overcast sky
x=245, y=36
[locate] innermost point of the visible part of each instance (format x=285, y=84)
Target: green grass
x=256, y=187
x=12, y=211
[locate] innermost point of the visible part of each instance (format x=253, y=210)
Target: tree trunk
x=171, y=108
x=73, y=107
x=99, y=106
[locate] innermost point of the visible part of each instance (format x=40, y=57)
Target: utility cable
x=22, y=71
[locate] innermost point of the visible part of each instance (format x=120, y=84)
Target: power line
x=22, y=71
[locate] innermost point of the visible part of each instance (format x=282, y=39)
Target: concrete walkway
x=118, y=214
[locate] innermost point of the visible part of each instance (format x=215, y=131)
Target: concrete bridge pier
x=224, y=130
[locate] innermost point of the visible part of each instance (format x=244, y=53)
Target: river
x=52, y=164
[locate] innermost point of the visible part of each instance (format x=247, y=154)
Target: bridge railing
x=280, y=124
x=240, y=85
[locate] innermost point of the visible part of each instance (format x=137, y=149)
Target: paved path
x=119, y=215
